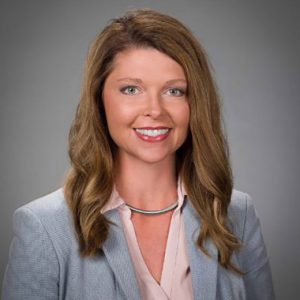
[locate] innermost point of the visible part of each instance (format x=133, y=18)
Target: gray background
x=254, y=47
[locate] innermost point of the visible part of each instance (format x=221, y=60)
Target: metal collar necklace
x=153, y=212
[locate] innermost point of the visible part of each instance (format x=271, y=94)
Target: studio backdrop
x=254, y=48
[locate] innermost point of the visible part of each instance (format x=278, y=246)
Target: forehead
x=145, y=62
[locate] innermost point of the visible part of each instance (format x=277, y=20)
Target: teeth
x=150, y=132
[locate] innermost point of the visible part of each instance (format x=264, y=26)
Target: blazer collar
x=117, y=253
x=203, y=268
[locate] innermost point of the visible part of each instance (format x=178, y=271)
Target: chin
x=148, y=156
x=153, y=158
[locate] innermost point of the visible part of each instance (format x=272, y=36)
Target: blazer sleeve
x=253, y=258
x=32, y=271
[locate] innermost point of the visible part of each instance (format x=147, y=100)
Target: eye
x=175, y=92
x=129, y=90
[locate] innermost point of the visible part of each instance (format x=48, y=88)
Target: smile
x=152, y=132
x=152, y=135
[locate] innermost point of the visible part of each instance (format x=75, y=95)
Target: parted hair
x=202, y=161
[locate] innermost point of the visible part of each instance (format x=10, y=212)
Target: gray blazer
x=44, y=262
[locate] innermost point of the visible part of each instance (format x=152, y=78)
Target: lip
x=152, y=139
x=153, y=128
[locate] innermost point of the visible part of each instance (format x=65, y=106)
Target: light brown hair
x=202, y=161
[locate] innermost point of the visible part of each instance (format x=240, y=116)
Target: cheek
x=110, y=107
x=118, y=115
x=183, y=123
x=182, y=115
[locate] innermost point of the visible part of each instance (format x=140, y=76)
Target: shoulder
x=239, y=201
x=49, y=210
x=51, y=215
x=42, y=240
x=240, y=211
x=252, y=257
x=52, y=203
x=246, y=225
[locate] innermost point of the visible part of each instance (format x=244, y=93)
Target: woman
x=148, y=210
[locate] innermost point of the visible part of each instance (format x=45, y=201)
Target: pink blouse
x=176, y=281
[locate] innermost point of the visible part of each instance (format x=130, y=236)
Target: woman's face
x=146, y=105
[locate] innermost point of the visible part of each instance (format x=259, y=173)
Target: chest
x=152, y=237
x=101, y=278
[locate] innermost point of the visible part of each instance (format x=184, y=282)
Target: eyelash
x=123, y=90
x=181, y=92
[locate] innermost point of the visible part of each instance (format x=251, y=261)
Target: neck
x=149, y=186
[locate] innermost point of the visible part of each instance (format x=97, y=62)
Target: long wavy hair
x=202, y=161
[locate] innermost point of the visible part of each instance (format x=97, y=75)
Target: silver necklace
x=153, y=212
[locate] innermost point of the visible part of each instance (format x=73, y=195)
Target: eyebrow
x=138, y=80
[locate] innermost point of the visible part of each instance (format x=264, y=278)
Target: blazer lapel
x=117, y=253
x=203, y=268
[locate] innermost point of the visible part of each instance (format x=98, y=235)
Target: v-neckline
x=169, y=262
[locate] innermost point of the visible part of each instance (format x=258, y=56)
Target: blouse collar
x=116, y=201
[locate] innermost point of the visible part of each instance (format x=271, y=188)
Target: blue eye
x=129, y=90
x=175, y=92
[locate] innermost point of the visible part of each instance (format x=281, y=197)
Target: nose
x=154, y=106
